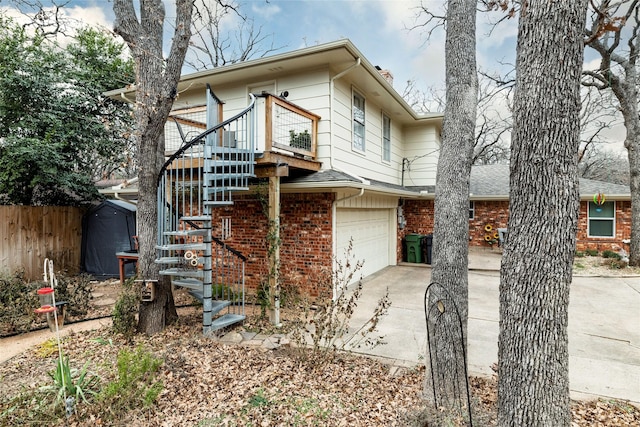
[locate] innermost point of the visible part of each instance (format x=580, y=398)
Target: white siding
x=421, y=148
x=417, y=143
x=310, y=89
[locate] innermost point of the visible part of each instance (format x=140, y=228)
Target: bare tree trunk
x=533, y=388
x=451, y=218
x=618, y=71
x=156, y=87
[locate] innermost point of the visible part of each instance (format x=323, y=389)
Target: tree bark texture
x=156, y=88
x=533, y=380
x=451, y=208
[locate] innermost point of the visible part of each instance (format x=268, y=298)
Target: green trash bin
x=414, y=250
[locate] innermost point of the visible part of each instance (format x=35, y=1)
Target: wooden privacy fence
x=29, y=234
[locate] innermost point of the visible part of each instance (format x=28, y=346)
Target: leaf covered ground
x=208, y=383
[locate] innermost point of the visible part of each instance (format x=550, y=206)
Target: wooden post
x=274, y=249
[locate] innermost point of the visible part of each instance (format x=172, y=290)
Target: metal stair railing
x=200, y=175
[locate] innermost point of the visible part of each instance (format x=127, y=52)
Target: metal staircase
x=200, y=176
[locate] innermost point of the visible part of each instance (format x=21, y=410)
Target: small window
x=602, y=219
x=358, y=122
x=386, y=138
x=472, y=209
x=226, y=228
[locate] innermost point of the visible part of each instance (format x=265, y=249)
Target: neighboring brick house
x=600, y=227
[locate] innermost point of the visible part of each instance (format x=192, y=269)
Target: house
x=600, y=226
x=315, y=140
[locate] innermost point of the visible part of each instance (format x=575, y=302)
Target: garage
x=373, y=234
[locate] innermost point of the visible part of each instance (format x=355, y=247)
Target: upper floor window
x=358, y=122
x=602, y=219
x=386, y=138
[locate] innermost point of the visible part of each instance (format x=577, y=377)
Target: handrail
x=229, y=248
x=204, y=134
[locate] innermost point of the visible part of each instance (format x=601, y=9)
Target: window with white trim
x=386, y=138
x=358, y=122
x=601, y=219
x=472, y=209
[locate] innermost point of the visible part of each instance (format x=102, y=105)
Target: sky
x=378, y=28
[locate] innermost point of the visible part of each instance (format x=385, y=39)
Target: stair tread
x=196, y=218
x=218, y=203
x=196, y=232
x=181, y=272
x=221, y=189
x=216, y=304
x=168, y=260
x=190, y=283
x=230, y=150
x=226, y=320
x=181, y=246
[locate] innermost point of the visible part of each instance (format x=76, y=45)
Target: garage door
x=370, y=231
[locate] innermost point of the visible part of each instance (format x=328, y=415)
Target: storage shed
x=108, y=228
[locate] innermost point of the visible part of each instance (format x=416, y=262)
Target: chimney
x=386, y=74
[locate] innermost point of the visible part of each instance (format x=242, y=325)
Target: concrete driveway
x=604, y=326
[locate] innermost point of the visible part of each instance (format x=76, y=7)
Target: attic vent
x=274, y=69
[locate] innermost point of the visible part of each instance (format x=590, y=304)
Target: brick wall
x=494, y=213
x=419, y=217
x=305, y=233
x=623, y=229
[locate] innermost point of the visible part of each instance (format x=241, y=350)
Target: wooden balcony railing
x=290, y=128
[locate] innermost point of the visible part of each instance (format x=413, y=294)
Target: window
x=472, y=209
x=386, y=138
x=226, y=228
x=602, y=219
x=358, y=122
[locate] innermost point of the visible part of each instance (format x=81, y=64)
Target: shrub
x=125, y=310
x=18, y=299
x=611, y=254
x=592, y=252
x=135, y=385
x=72, y=382
x=324, y=328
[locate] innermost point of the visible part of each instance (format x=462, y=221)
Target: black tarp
x=106, y=229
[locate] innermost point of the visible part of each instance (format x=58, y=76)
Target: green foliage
x=28, y=408
x=611, y=254
x=125, y=310
x=591, y=252
x=58, y=132
x=222, y=291
x=72, y=382
x=580, y=254
x=300, y=140
x=258, y=399
x=135, y=384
